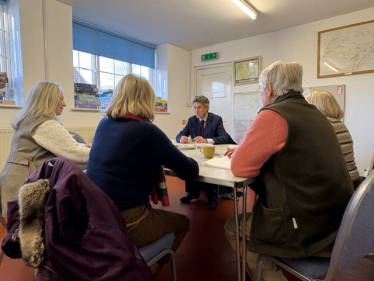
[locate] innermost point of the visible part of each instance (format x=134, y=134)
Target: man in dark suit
x=203, y=127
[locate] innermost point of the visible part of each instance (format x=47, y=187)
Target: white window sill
x=10, y=106
x=85, y=109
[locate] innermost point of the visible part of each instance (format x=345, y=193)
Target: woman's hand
x=89, y=145
x=229, y=151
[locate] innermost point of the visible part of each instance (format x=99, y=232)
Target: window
x=5, y=96
x=105, y=73
x=102, y=58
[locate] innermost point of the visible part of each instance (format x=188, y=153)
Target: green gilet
x=306, y=185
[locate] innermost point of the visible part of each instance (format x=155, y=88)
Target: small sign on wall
x=210, y=56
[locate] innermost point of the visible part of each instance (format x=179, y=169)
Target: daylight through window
x=104, y=74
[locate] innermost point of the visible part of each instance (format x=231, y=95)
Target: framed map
x=346, y=50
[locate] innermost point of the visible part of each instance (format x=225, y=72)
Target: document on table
x=219, y=162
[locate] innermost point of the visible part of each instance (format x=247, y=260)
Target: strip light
x=242, y=4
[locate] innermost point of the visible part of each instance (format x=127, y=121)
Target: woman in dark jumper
x=125, y=160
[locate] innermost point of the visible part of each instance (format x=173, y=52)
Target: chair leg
x=173, y=266
x=1, y=257
x=2, y=222
x=258, y=268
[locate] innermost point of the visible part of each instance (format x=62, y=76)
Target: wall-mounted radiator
x=6, y=134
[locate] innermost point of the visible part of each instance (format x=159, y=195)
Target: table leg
x=237, y=235
x=244, y=236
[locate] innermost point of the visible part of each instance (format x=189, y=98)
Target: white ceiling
x=192, y=24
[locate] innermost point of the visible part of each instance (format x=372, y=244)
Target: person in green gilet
x=302, y=182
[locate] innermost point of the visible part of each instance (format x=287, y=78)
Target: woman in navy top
x=125, y=159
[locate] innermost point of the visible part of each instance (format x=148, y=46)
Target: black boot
x=213, y=199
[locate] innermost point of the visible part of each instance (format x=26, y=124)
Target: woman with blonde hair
x=125, y=160
x=38, y=136
x=329, y=106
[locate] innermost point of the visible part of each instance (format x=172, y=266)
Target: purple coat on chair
x=85, y=237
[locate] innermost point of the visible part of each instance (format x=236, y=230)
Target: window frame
x=97, y=72
x=5, y=55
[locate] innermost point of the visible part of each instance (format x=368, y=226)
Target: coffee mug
x=208, y=150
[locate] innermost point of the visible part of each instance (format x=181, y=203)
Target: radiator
x=6, y=134
x=87, y=133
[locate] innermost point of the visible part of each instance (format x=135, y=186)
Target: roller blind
x=107, y=44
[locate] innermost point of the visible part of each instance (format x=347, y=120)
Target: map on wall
x=247, y=104
x=346, y=50
x=245, y=109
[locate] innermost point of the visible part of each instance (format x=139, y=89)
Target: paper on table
x=219, y=162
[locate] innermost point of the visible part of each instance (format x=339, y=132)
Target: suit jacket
x=213, y=129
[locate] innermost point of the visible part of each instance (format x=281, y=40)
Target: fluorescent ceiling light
x=242, y=4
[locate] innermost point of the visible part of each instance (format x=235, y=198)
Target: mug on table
x=208, y=150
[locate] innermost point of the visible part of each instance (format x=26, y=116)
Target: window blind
x=104, y=43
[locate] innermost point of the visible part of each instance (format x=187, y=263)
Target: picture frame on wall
x=346, y=50
x=247, y=70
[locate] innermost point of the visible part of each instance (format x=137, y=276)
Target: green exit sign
x=211, y=56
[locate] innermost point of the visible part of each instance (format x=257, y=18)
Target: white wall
x=173, y=65
x=300, y=44
x=177, y=65
x=57, y=65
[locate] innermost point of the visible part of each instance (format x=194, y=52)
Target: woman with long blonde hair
x=38, y=136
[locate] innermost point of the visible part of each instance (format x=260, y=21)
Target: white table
x=223, y=177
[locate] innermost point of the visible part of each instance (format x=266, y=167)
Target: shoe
x=188, y=197
x=213, y=199
x=212, y=203
x=228, y=196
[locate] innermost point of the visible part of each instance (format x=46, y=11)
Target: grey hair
x=201, y=99
x=41, y=100
x=283, y=76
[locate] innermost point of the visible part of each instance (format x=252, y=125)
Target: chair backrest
x=355, y=238
x=79, y=139
x=158, y=249
x=370, y=167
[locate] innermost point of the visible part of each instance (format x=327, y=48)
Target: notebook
x=219, y=162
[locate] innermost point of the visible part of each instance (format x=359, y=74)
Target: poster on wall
x=161, y=105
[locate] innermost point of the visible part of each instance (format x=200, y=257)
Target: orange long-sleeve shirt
x=266, y=136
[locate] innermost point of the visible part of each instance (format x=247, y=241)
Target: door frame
x=194, y=88
x=202, y=67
